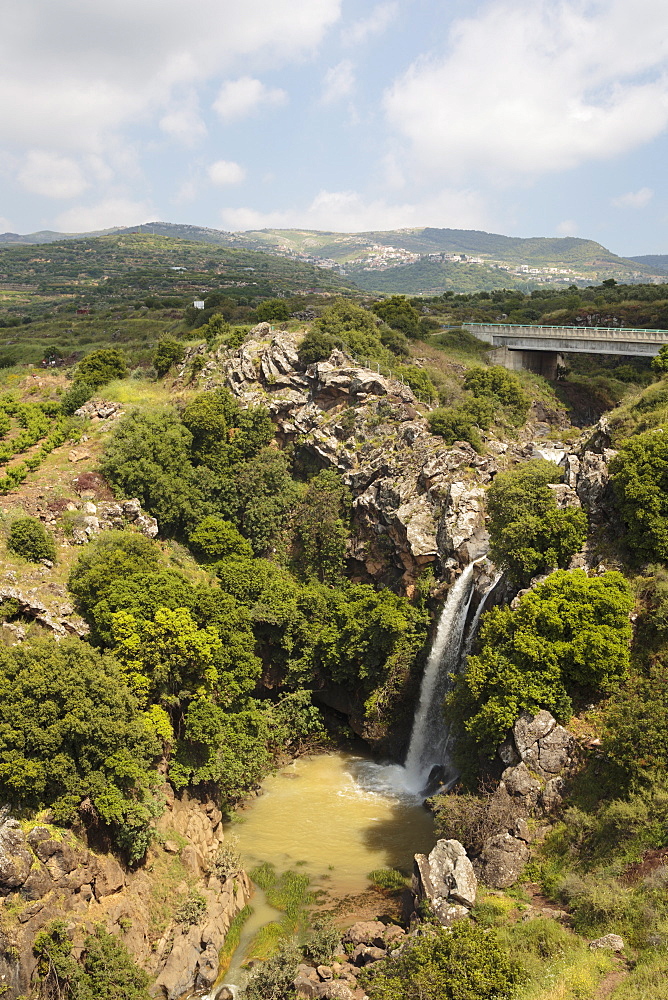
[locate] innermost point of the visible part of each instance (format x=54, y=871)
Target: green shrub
x=529, y=532
x=70, y=730
x=571, y=632
x=315, y=346
x=167, y=353
x=272, y=310
x=191, y=911
x=101, y=367
x=501, y=385
x=640, y=479
x=215, y=538
x=29, y=539
x=75, y=397
x=104, y=971
x=454, y=424
x=465, y=962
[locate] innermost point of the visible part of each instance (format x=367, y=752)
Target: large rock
x=15, y=857
x=545, y=747
x=446, y=880
x=502, y=861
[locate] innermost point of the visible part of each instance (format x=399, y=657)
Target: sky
x=522, y=117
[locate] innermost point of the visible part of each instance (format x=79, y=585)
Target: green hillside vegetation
x=208, y=646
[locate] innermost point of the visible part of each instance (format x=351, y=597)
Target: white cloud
x=634, y=199
x=347, y=211
x=568, y=227
x=5, y=225
x=95, y=68
x=240, y=98
x=339, y=82
x=225, y=172
x=531, y=86
x=183, y=121
x=378, y=20
x=105, y=214
x=51, y=175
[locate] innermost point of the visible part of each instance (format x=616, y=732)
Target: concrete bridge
x=541, y=348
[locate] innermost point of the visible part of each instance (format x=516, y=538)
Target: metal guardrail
x=574, y=332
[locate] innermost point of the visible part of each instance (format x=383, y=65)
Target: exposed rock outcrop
x=107, y=516
x=49, y=873
x=446, y=880
x=415, y=501
x=538, y=754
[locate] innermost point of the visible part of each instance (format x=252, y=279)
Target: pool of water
x=335, y=817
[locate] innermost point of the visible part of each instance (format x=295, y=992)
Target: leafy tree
x=567, y=634
x=70, y=730
x=101, y=367
x=113, y=556
x=216, y=328
x=640, y=479
x=660, y=362
x=29, y=539
x=529, y=533
x=399, y=314
x=167, y=658
x=215, y=538
x=464, y=962
x=344, y=316
x=167, y=353
x=148, y=456
x=272, y=310
x=260, y=497
x=501, y=385
x=223, y=433
x=321, y=527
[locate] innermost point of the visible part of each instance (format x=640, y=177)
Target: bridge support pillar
x=541, y=362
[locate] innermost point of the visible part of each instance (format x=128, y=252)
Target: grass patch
x=288, y=892
x=231, y=942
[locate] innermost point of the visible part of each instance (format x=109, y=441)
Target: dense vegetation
x=206, y=648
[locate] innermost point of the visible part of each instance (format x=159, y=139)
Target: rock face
x=415, y=501
x=539, y=753
x=446, y=880
x=107, y=516
x=50, y=874
x=31, y=607
x=502, y=860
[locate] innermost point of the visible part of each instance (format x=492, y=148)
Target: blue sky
x=521, y=117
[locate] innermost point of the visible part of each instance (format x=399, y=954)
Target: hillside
x=411, y=261
x=657, y=261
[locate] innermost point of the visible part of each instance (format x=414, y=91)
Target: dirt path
x=611, y=981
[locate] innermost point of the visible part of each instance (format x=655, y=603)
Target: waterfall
x=428, y=744
x=473, y=627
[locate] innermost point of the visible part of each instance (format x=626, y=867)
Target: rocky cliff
x=48, y=873
x=416, y=503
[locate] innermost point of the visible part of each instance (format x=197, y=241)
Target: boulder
x=502, y=861
x=609, y=942
x=446, y=880
x=366, y=932
x=15, y=858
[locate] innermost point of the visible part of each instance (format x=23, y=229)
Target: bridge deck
x=570, y=339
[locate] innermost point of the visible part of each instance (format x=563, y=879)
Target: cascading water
x=428, y=744
x=473, y=627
